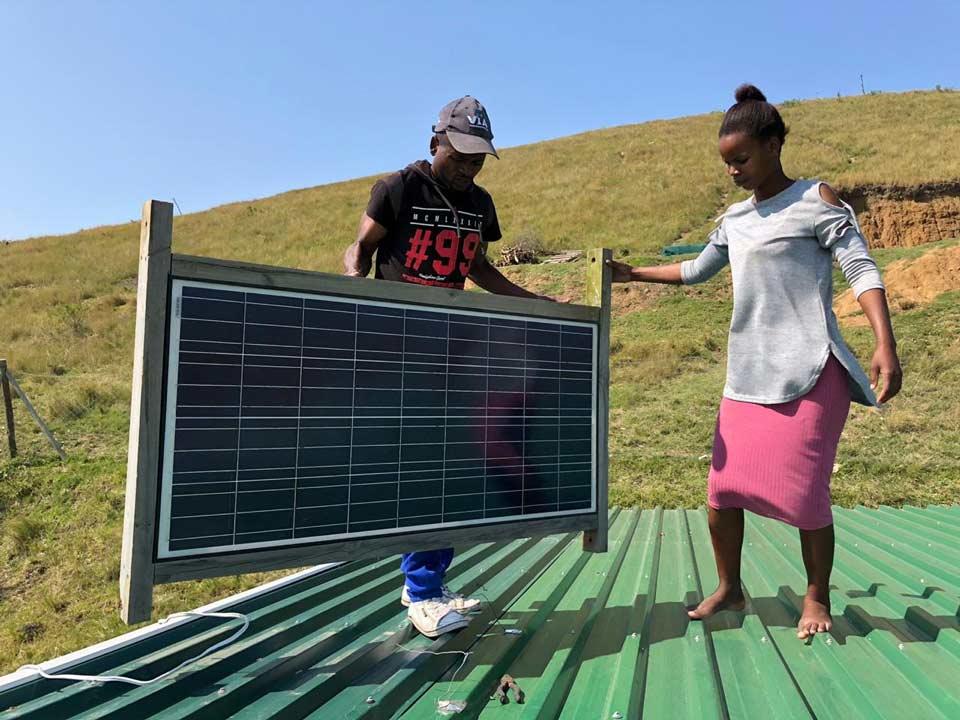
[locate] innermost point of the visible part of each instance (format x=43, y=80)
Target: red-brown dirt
x=910, y=283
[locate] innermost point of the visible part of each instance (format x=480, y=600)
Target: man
x=429, y=224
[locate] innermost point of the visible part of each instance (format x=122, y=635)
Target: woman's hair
x=753, y=115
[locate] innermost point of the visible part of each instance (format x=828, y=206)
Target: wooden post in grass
x=8, y=408
x=598, y=295
x=143, y=461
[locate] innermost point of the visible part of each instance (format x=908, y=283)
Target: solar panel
x=295, y=418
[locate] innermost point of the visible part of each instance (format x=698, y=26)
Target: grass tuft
x=22, y=532
x=74, y=401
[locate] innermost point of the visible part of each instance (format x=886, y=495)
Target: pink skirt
x=776, y=460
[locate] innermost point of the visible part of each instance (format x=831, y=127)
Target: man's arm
x=358, y=258
x=492, y=280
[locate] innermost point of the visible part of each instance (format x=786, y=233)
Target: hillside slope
x=67, y=309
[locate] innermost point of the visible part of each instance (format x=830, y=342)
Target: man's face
x=454, y=169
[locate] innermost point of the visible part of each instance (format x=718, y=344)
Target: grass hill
x=67, y=315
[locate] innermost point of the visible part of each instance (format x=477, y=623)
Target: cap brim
x=470, y=144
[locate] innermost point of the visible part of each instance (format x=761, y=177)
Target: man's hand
x=355, y=263
x=358, y=259
x=886, y=375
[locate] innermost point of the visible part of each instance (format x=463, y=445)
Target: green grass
x=68, y=304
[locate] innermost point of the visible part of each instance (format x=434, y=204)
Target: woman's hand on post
x=621, y=272
x=669, y=274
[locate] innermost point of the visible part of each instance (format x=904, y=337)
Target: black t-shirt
x=423, y=244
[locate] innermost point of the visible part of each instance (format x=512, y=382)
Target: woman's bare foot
x=721, y=599
x=816, y=616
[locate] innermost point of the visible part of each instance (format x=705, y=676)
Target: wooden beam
x=35, y=415
x=278, y=278
x=289, y=557
x=598, y=295
x=143, y=460
x=8, y=408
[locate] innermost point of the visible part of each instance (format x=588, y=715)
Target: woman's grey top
x=783, y=328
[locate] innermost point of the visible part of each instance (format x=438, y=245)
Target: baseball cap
x=467, y=125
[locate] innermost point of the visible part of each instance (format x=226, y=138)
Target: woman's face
x=750, y=161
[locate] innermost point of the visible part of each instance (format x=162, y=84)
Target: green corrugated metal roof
x=590, y=636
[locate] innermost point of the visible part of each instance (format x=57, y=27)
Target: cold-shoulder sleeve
x=837, y=230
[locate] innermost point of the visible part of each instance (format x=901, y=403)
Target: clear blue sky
x=106, y=104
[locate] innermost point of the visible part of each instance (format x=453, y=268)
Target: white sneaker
x=434, y=618
x=460, y=603
x=456, y=601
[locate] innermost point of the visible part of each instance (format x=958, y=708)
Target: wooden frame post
x=597, y=294
x=8, y=408
x=143, y=460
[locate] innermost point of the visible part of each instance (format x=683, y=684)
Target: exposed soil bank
x=894, y=216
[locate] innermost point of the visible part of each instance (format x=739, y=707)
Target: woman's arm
x=837, y=231
x=708, y=263
x=713, y=258
x=885, y=365
x=669, y=274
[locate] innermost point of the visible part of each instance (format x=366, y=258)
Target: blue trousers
x=424, y=572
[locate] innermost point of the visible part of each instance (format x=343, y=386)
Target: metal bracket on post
x=143, y=460
x=597, y=293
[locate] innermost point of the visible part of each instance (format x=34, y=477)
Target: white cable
x=466, y=656
x=450, y=706
x=132, y=681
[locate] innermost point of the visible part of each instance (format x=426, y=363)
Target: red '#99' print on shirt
x=422, y=244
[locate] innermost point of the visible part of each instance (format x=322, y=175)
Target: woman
x=790, y=376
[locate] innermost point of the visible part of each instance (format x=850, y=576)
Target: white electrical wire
x=453, y=706
x=133, y=681
x=450, y=706
x=466, y=656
